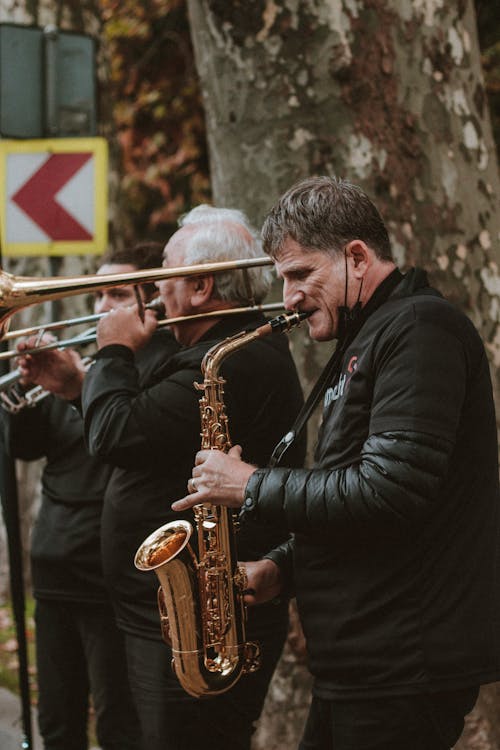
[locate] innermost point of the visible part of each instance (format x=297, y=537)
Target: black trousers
x=172, y=720
x=80, y=650
x=414, y=722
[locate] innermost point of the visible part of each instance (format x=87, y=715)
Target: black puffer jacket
x=395, y=553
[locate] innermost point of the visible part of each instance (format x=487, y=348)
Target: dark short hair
x=142, y=255
x=325, y=213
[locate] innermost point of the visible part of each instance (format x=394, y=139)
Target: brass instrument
x=155, y=304
x=13, y=401
x=17, y=292
x=202, y=612
x=90, y=336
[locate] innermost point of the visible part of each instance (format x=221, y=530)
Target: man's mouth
x=310, y=312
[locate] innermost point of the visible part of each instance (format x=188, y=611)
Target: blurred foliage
x=9, y=665
x=488, y=24
x=157, y=112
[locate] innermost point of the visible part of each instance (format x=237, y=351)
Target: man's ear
x=359, y=254
x=201, y=290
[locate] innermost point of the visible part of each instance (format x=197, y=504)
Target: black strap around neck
x=381, y=294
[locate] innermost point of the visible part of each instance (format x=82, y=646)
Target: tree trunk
x=389, y=95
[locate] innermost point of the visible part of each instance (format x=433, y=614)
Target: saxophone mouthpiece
x=304, y=315
x=286, y=321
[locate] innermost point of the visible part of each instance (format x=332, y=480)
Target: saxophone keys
x=251, y=657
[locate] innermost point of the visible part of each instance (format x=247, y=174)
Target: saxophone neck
x=215, y=356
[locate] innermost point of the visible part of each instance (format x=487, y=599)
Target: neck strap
x=381, y=294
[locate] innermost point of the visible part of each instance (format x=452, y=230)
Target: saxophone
x=202, y=612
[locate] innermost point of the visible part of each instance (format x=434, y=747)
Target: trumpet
x=90, y=336
x=58, y=325
x=87, y=337
x=13, y=400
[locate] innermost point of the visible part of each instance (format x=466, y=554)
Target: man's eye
x=298, y=275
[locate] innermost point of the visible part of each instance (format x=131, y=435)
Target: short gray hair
x=325, y=213
x=221, y=234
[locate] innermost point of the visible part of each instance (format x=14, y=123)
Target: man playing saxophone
x=150, y=432
x=394, y=558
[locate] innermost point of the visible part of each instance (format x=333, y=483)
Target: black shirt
x=65, y=548
x=151, y=430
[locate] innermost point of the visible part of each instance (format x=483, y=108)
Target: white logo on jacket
x=335, y=392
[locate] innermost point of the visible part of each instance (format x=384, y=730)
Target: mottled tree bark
x=389, y=94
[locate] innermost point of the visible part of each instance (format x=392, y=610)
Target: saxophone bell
x=166, y=543
x=209, y=653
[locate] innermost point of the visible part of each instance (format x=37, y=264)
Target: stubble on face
x=314, y=282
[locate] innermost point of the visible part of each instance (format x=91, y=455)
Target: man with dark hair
x=394, y=558
x=142, y=256
x=80, y=650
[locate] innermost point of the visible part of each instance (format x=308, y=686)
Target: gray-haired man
x=151, y=432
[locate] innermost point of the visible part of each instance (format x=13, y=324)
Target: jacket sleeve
x=392, y=488
x=24, y=435
x=420, y=370
x=132, y=427
x=283, y=556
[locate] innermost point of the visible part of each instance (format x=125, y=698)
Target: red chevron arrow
x=37, y=197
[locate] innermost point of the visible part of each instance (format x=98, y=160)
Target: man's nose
x=102, y=305
x=292, y=297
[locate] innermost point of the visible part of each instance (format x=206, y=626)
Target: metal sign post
x=10, y=510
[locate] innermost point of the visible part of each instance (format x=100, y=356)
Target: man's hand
x=60, y=371
x=124, y=326
x=263, y=581
x=218, y=478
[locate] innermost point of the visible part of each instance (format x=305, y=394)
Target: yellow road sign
x=53, y=196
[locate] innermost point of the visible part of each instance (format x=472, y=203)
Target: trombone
x=17, y=292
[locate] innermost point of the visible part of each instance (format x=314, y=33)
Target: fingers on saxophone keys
x=184, y=503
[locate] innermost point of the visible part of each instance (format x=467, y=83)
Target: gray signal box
x=47, y=83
